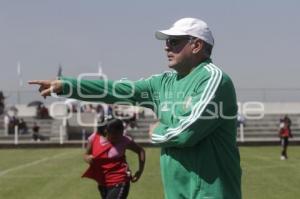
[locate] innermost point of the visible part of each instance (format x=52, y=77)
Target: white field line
x=22, y=166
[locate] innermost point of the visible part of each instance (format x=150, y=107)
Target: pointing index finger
x=39, y=82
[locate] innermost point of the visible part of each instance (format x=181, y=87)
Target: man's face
x=179, y=51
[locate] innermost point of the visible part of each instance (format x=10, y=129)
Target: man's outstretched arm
x=96, y=90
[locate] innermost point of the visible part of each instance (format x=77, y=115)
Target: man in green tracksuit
x=196, y=107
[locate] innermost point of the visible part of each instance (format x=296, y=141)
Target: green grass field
x=55, y=174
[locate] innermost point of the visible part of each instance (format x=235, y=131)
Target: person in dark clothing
x=35, y=130
x=288, y=121
x=23, y=129
x=14, y=121
x=2, y=105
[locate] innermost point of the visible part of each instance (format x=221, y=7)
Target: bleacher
x=266, y=129
x=79, y=123
x=140, y=134
x=262, y=130
x=49, y=129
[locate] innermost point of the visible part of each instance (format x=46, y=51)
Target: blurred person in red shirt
x=284, y=134
x=106, y=156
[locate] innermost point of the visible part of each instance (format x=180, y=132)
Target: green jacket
x=197, y=127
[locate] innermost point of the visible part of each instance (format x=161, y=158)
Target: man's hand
x=88, y=158
x=136, y=176
x=48, y=86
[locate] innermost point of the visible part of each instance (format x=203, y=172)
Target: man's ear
x=197, y=46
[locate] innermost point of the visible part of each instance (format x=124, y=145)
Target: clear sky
x=256, y=42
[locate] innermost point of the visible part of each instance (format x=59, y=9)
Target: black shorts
x=284, y=141
x=119, y=191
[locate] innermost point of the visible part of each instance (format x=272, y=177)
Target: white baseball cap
x=187, y=26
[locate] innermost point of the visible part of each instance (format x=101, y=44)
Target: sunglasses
x=175, y=41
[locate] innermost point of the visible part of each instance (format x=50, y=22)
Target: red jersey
x=109, y=167
x=284, y=132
